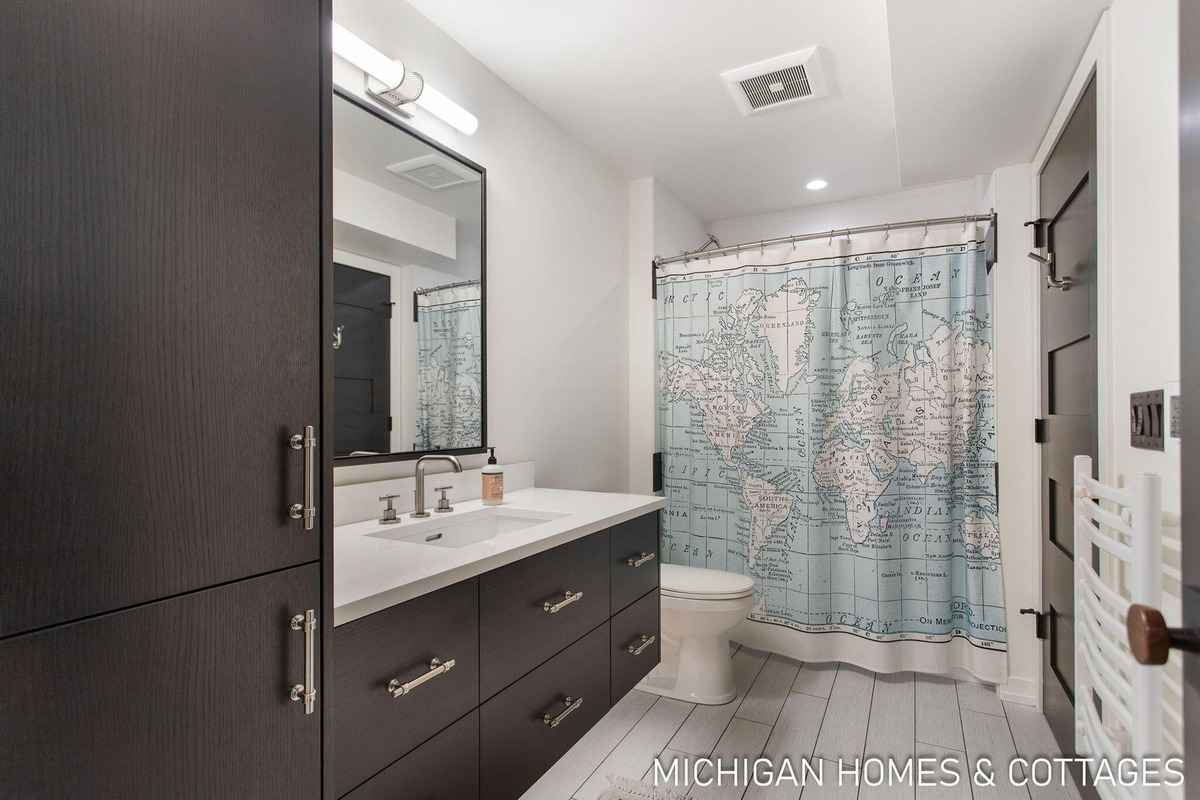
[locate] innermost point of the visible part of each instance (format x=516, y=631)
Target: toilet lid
x=703, y=584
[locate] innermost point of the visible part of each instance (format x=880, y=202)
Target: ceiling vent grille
x=775, y=82
x=434, y=171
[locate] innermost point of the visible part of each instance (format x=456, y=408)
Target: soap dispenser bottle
x=492, y=493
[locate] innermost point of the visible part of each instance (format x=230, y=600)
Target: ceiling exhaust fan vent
x=434, y=171
x=775, y=82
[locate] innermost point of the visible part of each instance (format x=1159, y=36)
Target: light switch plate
x=1147, y=420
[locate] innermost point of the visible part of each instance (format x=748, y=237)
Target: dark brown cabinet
x=371, y=724
x=543, y=678
x=635, y=643
x=537, y=606
x=161, y=232
x=633, y=549
x=161, y=220
x=182, y=698
x=528, y=726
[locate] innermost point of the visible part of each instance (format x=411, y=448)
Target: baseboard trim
x=1019, y=690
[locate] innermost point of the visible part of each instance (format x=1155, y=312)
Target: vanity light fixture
x=390, y=83
x=816, y=184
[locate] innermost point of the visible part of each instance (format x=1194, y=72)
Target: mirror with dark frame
x=409, y=302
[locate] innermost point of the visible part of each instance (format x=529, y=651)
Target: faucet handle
x=389, y=516
x=443, y=504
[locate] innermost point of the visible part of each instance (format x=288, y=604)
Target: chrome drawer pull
x=307, y=691
x=307, y=510
x=397, y=688
x=568, y=598
x=636, y=648
x=637, y=561
x=554, y=720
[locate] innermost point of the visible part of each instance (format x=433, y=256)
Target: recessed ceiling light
x=816, y=184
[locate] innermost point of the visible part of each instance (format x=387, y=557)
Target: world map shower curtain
x=449, y=386
x=826, y=418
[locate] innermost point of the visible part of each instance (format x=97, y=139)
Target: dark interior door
x=362, y=311
x=180, y=698
x=160, y=225
x=1067, y=191
x=1189, y=280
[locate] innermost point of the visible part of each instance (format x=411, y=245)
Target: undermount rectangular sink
x=466, y=529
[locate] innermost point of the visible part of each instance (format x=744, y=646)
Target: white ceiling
x=921, y=90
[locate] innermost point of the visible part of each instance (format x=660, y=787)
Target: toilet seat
x=697, y=583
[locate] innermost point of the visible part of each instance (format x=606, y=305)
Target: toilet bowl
x=699, y=609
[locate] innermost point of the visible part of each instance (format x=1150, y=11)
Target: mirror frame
x=412, y=455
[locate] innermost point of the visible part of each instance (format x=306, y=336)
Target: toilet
x=699, y=609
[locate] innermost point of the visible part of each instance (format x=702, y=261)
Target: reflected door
x=362, y=312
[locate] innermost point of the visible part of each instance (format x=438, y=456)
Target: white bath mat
x=629, y=789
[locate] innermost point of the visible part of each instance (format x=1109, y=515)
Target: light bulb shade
x=367, y=58
x=447, y=110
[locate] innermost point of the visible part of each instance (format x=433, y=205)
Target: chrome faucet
x=419, y=502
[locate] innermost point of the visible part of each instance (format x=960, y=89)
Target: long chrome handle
x=637, y=647
x=568, y=598
x=307, y=510
x=637, y=561
x=572, y=705
x=398, y=688
x=307, y=691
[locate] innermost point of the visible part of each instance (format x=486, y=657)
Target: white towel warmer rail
x=1118, y=702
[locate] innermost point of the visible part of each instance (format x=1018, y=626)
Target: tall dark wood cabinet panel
x=164, y=291
x=181, y=698
x=160, y=229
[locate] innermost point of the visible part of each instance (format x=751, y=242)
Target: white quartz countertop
x=372, y=573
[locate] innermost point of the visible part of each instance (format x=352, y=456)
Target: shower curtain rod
x=697, y=255
x=447, y=286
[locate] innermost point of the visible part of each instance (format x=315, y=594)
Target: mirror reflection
x=408, y=333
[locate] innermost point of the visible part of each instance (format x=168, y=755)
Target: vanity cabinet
x=391, y=689
x=537, y=606
x=536, y=666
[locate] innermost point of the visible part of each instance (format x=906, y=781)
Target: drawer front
x=516, y=745
x=371, y=728
x=444, y=768
x=639, y=620
x=633, y=574
x=516, y=632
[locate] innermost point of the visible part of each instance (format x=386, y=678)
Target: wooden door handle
x=1150, y=640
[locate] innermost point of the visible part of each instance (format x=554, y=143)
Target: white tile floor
x=825, y=711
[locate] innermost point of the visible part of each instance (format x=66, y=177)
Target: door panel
x=186, y=697
x=160, y=221
x=362, y=364
x=1067, y=191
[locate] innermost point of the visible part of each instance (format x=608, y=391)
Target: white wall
x=935, y=200
x=659, y=225
x=556, y=278
x=1144, y=219
x=1014, y=328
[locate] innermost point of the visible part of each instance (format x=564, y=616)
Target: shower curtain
x=826, y=419
x=449, y=389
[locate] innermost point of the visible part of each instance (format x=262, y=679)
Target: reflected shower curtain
x=826, y=418
x=449, y=389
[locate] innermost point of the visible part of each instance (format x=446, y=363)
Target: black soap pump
x=492, y=492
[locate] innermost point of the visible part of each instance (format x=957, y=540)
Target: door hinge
x=657, y=469
x=1039, y=621
x=389, y=424
x=1039, y=431
x=653, y=279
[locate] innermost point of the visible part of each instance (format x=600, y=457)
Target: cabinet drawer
x=371, y=728
x=444, y=768
x=633, y=574
x=516, y=744
x=631, y=665
x=516, y=631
